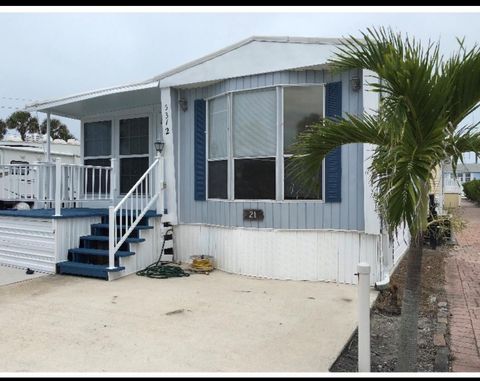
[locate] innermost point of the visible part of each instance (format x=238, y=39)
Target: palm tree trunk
x=407, y=345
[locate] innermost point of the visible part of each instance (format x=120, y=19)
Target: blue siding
x=347, y=214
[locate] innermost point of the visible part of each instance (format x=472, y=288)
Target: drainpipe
x=48, y=138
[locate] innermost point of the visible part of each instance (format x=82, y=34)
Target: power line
x=11, y=107
x=16, y=99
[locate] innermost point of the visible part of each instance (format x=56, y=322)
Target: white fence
x=38, y=183
x=451, y=186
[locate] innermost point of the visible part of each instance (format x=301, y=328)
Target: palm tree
x=23, y=122
x=58, y=130
x=424, y=98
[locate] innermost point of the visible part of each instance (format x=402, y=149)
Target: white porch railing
x=38, y=183
x=130, y=210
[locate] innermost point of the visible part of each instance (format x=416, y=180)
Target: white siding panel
x=68, y=232
x=315, y=255
x=27, y=242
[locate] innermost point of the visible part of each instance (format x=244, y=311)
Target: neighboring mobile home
x=227, y=121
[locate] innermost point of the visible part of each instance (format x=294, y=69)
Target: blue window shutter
x=333, y=161
x=199, y=149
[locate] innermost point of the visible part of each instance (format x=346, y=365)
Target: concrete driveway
x=203, y=323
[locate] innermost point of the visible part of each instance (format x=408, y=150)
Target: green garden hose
x=161, y=270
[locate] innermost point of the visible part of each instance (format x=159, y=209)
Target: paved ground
x=9, y=274
x=463, y=293
x=219, y=322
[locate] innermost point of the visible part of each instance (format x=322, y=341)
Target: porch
x=75, y=224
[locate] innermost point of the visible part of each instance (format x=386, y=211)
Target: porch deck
x=66, y=213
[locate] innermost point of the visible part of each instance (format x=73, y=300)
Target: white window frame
x=279, y=156
x=115, y=116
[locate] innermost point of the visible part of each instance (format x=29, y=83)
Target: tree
x=424, y=98
x=23, y=122
x=58, y=130
x=3, y=129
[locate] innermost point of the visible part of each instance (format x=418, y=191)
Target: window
x=254, y=144
x=218, y=148
x=243, y=142
x=302, y=106
x=131, y=169
x=134, y=151
x=102, y=184
x=97, y=137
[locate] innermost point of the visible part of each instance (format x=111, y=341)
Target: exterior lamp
x=159, y=146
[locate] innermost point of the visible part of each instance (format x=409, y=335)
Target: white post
x=58, y=187
x=159, y=185
x=113, y=179
x=48, y=138
x=111, y=237
x=363, y=317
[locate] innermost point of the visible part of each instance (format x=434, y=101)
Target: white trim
x=370, y=105
x=279, y=164
x=230, y=163
x=169, y=157
x=300, y=84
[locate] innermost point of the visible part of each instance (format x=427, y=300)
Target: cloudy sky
x=53, y=54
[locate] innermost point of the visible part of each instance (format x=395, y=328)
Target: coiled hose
x=160, y=270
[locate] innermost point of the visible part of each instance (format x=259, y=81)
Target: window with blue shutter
x=333, y=161
x=199, y=149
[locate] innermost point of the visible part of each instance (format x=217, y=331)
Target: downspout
x=48, y=138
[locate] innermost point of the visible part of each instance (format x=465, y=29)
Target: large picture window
x=244, y=150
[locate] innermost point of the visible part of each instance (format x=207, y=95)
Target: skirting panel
x=314, y=255
x=27, y=242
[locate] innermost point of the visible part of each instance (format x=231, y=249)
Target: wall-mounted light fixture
x=355, y=83
x=159, y=146
x=182, y=102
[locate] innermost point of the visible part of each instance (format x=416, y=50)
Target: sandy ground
x=217, y=322
x=10, y=274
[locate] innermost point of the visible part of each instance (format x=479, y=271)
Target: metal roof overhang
x=101, y=101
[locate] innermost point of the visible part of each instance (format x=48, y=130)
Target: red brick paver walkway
x=462, y=274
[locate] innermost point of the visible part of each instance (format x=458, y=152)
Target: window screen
x=217, y=128
x=97, y=138
x=134, y=136
x=302, y=107
x=255, y=178
x=254, y=123
x=217, y=179
x=131, y=169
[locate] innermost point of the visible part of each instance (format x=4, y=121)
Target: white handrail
x=133, y=206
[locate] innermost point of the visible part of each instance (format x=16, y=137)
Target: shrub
x=472, y=190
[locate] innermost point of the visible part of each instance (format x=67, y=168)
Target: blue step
x=138, y=227
x=84, y=269
x=104, y=238
x=99, y=252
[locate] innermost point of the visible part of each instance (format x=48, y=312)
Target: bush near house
x=472, y=190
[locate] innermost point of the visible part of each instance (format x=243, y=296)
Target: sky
x=53, y=54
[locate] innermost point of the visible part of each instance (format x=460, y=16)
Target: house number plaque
x=253, y=214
